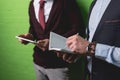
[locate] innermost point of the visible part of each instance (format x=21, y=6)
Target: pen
x=77, y=33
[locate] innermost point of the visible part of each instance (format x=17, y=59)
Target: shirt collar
x=37, y=1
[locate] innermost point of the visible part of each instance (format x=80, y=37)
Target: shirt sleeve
x=111, y=54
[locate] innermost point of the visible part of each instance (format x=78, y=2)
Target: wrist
x=91, y=48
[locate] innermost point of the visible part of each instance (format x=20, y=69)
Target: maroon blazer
x=65, y=19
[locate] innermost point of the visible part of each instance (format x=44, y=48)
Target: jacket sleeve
x=110, y=54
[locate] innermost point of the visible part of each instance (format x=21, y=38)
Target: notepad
x=31, y=41
x=58, y=43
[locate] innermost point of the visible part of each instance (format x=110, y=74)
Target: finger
x=46, y=44
x=65, y=56
x=73, y=46
x=39, y=46
x=40, y=43
x=59, y=54
x=68, y=58
x=69, y=42
x=71, y=58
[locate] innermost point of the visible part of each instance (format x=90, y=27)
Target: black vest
x=108, y=32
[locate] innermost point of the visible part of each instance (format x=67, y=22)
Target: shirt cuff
x=102, y=51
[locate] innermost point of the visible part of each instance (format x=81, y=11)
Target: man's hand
x=70, y=58
x=77, y=44
x=27, y=36
x=43, y=44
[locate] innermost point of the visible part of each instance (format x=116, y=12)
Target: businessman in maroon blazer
x=103, y=45
x=62, y=17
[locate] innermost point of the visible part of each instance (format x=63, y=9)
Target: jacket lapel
x=54, y=13
x=105, y=16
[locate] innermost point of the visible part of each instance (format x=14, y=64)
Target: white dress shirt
x=111, y=54
x=47, y=8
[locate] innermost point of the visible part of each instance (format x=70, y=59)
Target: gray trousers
x=51, y=74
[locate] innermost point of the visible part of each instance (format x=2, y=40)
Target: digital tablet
x=31, y=41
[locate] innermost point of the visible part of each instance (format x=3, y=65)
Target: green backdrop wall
x=16, y=59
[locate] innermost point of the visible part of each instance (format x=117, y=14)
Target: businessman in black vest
x=103, y=45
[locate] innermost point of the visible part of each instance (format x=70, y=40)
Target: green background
x=15, y=58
